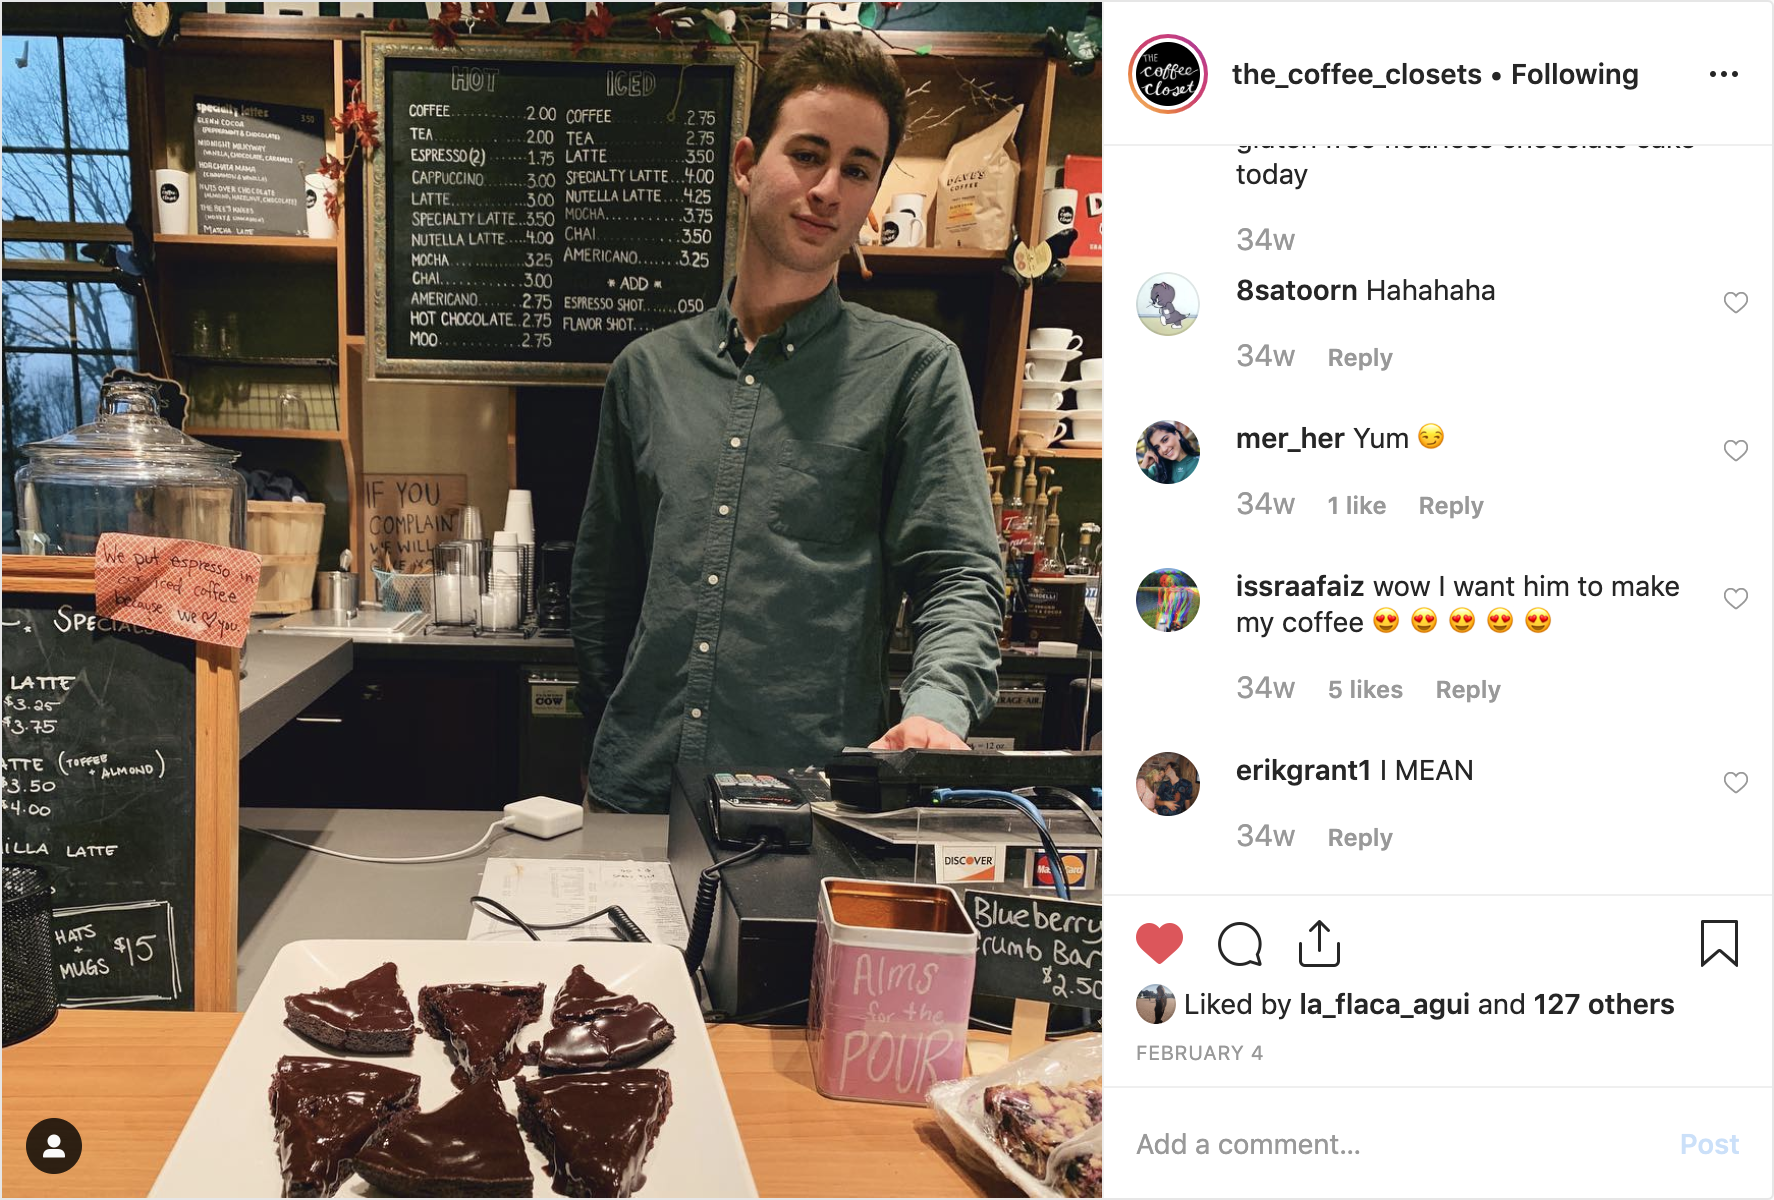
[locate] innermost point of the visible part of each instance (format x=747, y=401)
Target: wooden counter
x=127, y=1081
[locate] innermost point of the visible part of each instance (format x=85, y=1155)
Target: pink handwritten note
x=190, y=589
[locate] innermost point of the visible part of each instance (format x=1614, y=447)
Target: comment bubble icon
x=1241, y=944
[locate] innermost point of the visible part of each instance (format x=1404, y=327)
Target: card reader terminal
x=747, y=806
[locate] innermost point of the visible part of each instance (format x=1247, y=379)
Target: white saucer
x=1084, y=385
x=1055, y=413
x=1074, y=444
x=1052, y=355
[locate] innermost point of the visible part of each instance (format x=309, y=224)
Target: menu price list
x=98, y=722
x=550, y=212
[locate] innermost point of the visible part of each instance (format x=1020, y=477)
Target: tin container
x=892, y=988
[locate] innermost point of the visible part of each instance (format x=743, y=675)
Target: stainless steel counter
x=288, y=895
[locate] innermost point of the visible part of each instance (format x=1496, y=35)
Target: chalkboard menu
x=100, y=790
x=1032, y=948
x=531, y=212
x=251, y=159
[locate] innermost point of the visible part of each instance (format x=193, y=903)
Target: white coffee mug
x=908, y=202
x=1090, y=368
x=1047, y=372
x=1087, y=429
x=1052, y=337
x=172, y=202
x=314, y=195
x=902, y=229
x=1043, y=400
x=1089, y=399
x=1036, y=435
x=1059, y=210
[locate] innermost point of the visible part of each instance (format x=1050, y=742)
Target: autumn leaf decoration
x=357, y=127
x=443, y=25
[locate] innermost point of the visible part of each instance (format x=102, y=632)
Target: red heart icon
x=1159, y=941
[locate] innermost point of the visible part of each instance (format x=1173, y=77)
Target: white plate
x=1064, y=356
x=1075, y=444
x=227, y=1148
x=1084, y=385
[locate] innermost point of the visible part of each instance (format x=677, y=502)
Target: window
x=64, y=160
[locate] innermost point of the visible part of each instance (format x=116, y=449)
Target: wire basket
x=402, y=592
x=28, y=983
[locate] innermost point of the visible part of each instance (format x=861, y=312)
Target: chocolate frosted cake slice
x=617, y=1037
x=324, y=1109
x=581, y=998
x=595, y=1130
x=1032, y=1120
x=469, y=1147
x=479, y=1024
x=367, y=1016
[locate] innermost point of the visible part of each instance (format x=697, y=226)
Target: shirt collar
x=800, y=328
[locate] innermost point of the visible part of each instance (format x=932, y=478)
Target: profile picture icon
x=1167, y=304
x=1167, y=784
x=1167, y=73
x=1168, y=600
x=1167, y=452
x=1156, y=1004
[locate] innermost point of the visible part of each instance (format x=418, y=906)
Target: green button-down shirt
x=752, y=522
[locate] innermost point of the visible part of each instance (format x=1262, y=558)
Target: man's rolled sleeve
x=943, y=548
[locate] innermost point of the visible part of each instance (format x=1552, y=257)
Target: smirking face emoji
x=1539, y=620
x=1429, y=436
x=1386, y=620
x=1501, y=620
x=1423, y=620
x=1461, y=620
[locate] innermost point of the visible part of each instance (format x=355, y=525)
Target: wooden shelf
x=210, y=246
x=223, y=431
x=356, y=340
x=889, y=260
x=1073, y=452
x=1083, y=270
x=245, y=360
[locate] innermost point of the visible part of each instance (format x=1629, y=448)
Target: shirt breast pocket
x=822, y=492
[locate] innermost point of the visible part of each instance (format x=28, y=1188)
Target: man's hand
x=918, y=733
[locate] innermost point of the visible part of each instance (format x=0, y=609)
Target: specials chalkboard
x=1032, y=948
x=532, y=212
x=100, y=790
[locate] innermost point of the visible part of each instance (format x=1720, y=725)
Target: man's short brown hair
x=846, y=61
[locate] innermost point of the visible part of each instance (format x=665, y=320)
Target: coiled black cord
x=626, y=929
x=708, y=888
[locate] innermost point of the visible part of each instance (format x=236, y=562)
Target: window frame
x=90, y=22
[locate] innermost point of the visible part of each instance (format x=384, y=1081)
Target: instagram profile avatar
x=1168, y=73
x=1168, y=600
x=1167, y=784
x=1167, y=304
x=1167, y=452
x=1156, y=1003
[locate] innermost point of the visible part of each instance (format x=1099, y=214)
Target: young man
x=771, y=475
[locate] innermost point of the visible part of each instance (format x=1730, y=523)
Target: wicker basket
x=285, y=535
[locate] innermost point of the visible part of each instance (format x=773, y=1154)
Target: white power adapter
x=544, y=816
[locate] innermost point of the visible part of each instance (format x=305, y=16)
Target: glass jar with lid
x=127, y=472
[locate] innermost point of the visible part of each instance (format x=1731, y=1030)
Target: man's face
x=809, y=189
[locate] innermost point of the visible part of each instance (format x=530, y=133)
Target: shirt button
x=696, y=713
x=749, y=380
x=703, y=647
x=724, y=510
x=790, y=347
x=713, y=579
x=721, y=349
x=734, y=442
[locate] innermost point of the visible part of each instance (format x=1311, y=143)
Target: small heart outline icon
x=1736, y=597
x=1736, y=301
x=1159, y=941
x=1736, y=780
x=1736, y=449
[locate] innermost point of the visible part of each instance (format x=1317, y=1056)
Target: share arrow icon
x=1319, y=928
